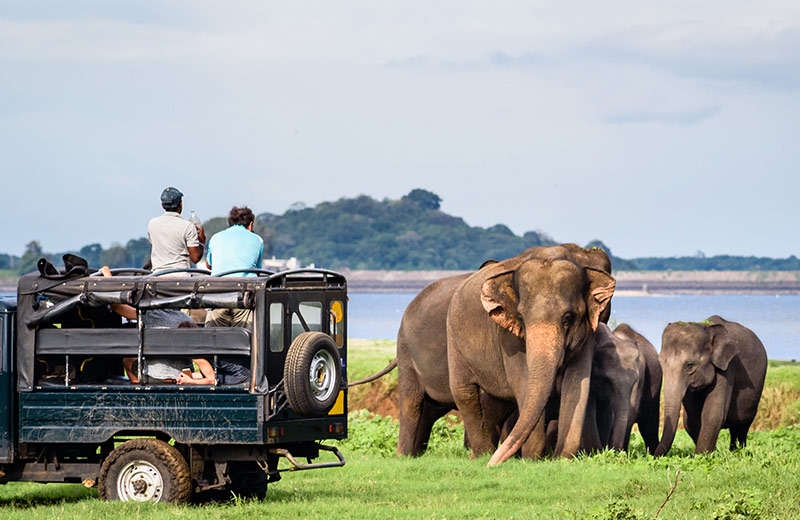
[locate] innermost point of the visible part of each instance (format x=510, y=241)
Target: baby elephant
x=625, y=389
x=716, y=369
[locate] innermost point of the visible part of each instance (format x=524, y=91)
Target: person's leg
x=242, y=318
x=219, y=318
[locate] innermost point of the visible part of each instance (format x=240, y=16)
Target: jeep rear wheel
x=312, y=374
x=145, y=470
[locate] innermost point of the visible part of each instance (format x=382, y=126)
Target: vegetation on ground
x=758, y=481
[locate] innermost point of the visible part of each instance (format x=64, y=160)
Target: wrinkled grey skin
x=423, y=377
x=513, y=329
x=625, y=389
x=716, y=370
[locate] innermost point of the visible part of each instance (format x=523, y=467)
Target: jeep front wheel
x=312, y=374
x=145, y=470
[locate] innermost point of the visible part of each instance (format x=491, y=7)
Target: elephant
x=513, y=329
x=716, y=369
x=422, y=377
x=422, y=369
x=625, y=389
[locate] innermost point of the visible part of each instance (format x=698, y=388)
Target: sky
x=661, y=130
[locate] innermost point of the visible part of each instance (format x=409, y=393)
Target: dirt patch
x=379, y=397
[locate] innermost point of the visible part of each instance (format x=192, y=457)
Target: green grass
x=367, y=356
x=759, y=481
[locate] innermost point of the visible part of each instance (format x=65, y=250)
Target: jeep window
x=337, y=322
x=310, y=314
x=276, y=327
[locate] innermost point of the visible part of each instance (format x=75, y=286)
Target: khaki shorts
x=230, y=318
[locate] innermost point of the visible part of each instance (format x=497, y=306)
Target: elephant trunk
x=673, y=397
x=543, y=357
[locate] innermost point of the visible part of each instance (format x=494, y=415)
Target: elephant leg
x=431, y=412
x=574, y=397
x=715, y=409
x=590, y=442
x=534, y=447
x=739, y=435
x=551, y=436
x=411, y=397
x=604, y=420
x=495, y=413
x=692, y=412
x=620, y=427
x=648, y=427
x=467, y=396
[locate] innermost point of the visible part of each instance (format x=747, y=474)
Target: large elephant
x=716, y=369
x=625, y=389
x=422, y=370
x=513, y=329
x=422, y=377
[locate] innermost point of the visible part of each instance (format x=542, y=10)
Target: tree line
x=411, y=233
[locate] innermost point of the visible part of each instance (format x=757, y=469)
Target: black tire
x=312, y=395
x=145, y=470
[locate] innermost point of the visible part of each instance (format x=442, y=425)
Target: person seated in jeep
x=179, y=370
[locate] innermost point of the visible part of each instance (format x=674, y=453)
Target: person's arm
x=207, y=371
x=124, y=310
x=195, y=253
x=195, y=235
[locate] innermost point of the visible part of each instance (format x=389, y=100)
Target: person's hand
x=201, y=234
x=184, y=379
x=105, y=270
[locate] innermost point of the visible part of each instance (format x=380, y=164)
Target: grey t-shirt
x=165, y=318
x=171, y=236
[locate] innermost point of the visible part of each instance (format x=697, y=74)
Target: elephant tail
x=391, y=366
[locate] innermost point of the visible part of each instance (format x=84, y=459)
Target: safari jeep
x=68, y=412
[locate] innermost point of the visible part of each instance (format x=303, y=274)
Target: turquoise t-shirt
x=235, y=248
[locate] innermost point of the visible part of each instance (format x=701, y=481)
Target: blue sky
x=659, y=129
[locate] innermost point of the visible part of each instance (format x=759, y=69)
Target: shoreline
x=629, y=283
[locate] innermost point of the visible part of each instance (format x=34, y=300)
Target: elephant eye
x=689, y=367
x=567, y=319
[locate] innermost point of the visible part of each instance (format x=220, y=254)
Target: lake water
x=775, y=319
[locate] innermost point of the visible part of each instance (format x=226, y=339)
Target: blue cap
x=171, y=197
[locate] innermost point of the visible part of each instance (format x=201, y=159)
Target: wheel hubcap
x=322, y=375
x=140, y=481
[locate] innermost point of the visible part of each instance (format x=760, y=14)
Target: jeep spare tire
x=312, y=374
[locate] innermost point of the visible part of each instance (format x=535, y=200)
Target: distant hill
x=406, y=234
x=411, y=233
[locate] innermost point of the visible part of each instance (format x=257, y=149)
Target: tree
x=91, y=253
x=115, y=256
x=34, y=248
x=214, y=225
x=138, y=251
x=425, y=198
x=33, y=252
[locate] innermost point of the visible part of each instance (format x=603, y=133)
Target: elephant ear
x=500, y=300
x=723, y=347
x=601, y=289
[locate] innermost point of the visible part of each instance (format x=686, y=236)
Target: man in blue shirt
x=237, y=247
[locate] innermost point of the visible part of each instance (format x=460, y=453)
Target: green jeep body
x=69, y=414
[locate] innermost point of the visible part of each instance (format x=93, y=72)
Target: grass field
x=759, y=481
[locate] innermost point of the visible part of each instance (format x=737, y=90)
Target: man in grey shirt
x=175, y=241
